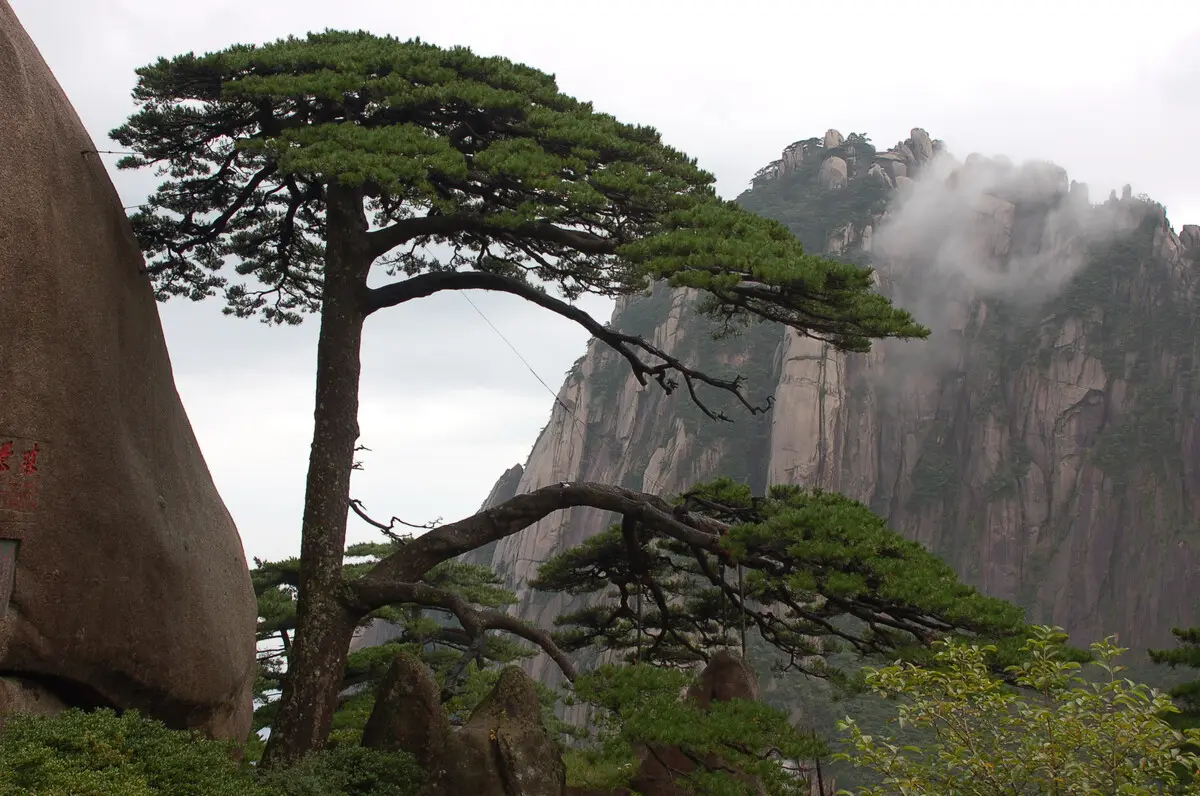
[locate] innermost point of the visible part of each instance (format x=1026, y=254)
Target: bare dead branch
x=358, y=508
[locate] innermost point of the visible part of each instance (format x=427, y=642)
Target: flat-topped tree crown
x=524, y=185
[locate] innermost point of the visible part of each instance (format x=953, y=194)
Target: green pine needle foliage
x=746, y=744
x=1186, y=654
x=516, y=178
x=430, y=634
x=821, y=574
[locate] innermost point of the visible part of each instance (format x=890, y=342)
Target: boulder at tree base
x=504, y=749
x=131, y=586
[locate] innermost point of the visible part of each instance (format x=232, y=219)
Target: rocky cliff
x=1044, y=441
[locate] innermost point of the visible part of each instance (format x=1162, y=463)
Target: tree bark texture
x=325, y=624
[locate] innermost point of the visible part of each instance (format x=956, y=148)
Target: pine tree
x=737, y=747
x=296, y=169
x=812, y=573
x=1186, y=695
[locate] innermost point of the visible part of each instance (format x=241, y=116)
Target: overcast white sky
x=1109, y=90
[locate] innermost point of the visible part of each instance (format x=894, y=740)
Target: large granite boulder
x=834, y=173
x=122, y=577
x=921, y=144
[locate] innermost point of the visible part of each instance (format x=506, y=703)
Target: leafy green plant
x=347, y=770
x=102, y=753
x=1047, y=730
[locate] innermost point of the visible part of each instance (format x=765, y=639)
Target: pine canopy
x=462, y=163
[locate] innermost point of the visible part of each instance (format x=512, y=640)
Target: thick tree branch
x=208, y=232
x=626, y=345
x=401, y=232
x=452, y=540
x=474, y=620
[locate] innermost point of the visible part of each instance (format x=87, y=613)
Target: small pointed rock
x=408, y=714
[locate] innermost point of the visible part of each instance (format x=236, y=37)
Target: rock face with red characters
x=122, y=576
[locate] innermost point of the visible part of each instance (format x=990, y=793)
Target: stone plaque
x=22, y=464
x=8, y=572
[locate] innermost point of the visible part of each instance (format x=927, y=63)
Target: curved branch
x=207, y=233
x=517, y=513
x=474, y=620
x=626, y=345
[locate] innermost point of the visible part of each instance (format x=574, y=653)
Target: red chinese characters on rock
x=19, y=484
x=29, y=460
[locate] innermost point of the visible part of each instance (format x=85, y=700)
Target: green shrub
x=104, y=754
x=347, y=770
x=1056, y=732
x=101, y=753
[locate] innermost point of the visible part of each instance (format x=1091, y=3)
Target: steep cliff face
x=1045, y=440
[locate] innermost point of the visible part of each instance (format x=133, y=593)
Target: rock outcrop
x=1045, y=441
x=408, y=714
x=1189, y=238
x=922, y=145
x=726, y=677
x=833, y=172
x=126, y=583
x=504, y=749
x=904, y=159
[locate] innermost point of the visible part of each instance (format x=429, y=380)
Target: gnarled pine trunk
x=324, y=623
